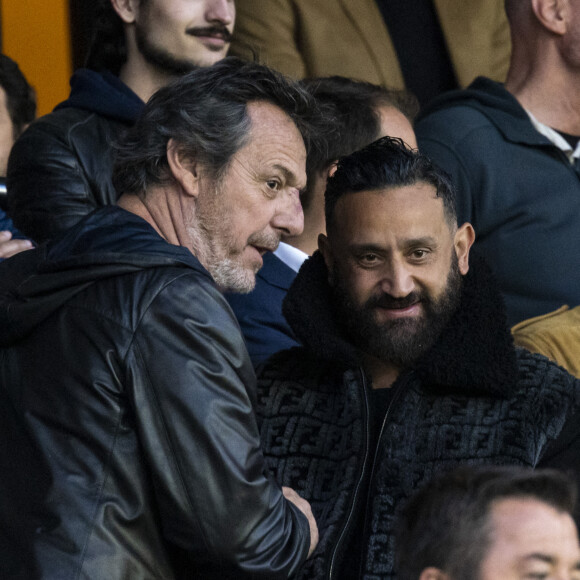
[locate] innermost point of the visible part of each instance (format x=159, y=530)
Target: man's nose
x=222, y=11
x=398, y=279
x=289, y=219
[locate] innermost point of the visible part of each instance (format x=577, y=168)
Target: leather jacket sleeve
x=193, y=387
x=60, y=170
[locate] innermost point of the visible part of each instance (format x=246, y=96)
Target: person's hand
x=9, y=247
x=304, y=507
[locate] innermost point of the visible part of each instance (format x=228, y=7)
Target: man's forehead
x=275, y=141
x=395, y=202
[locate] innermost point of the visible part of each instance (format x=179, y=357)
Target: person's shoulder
x=543, y=379
x=65, y=126
x=457, y=114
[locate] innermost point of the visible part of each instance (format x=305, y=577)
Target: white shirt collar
x=556, y=139
x=291, y=256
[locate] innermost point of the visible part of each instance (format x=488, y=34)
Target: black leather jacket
x=130, y=447
x=60, y=168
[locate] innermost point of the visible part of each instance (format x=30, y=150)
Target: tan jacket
x=555, y=335
x=308, y=38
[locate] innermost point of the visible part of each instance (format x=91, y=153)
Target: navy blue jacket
x=518, y=190
x=260, y=312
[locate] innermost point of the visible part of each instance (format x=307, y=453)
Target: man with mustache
x=60, y=169
x=408, y=367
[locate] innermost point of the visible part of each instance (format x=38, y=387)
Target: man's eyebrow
x=408, y=243
x=423, y=241
x=548, y=559
x=543, y=557
x=289, y=176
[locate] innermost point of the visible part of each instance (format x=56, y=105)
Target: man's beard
x=400, y=341
x=159, y=57
x=211, y=236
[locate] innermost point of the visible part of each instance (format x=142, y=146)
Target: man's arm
x=193, y=384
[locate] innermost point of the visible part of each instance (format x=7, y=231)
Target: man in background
x=60, y=169
x=513, y=152
x=490, y=523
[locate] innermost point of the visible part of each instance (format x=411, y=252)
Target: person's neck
x=161, y=210
x=142, y=78
x=383, y=375
x=548, y=90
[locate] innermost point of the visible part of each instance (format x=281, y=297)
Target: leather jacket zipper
x=360, y=480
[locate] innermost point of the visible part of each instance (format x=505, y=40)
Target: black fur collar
x=475, y=353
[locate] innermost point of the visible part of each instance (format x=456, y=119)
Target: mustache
x=215, y=30
x=266, y=241
x=390, y=302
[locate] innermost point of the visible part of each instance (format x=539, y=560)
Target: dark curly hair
x=385, y=163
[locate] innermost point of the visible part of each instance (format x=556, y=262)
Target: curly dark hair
x=385, y=163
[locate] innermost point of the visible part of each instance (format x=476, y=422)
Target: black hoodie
x=518, y=190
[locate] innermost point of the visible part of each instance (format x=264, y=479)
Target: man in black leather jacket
x=60, y=169
x=408, y=366
x=130, y=448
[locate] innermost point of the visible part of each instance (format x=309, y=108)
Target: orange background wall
x=35, y=33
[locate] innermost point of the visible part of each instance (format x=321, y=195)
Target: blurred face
x=180, y=35
x=6, y=134
x=243, y=215
x=395, y=264
x=531, y=540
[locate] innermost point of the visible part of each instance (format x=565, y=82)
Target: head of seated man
x=394, y=254
x=148, y=42
x=491, y=523
x=227, y=195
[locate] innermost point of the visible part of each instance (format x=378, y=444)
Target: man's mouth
x=263, y=250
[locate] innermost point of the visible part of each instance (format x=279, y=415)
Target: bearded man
x=407, y=369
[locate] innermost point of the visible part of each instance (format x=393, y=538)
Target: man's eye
x=368, y=258
x=273, y=184
x=419, y=254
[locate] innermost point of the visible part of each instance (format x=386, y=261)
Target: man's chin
x=231, y=277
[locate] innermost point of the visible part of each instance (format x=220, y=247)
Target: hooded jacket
x=472, y=398
x=130, y=448
x=516, y=188
x=60, y=168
